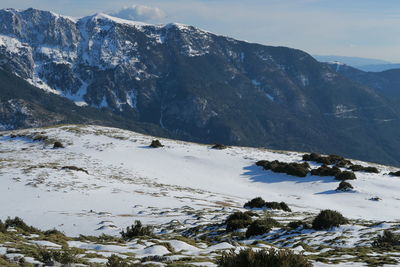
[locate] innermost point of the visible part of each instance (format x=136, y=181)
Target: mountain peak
x=103, y=16
x=33, y=12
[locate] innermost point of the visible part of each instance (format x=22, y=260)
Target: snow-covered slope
x=125, y=178
x=106, y=178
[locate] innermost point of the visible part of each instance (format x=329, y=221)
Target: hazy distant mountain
x=365, y=64
x=386, y=83
x=379, y=68
x=194, y=85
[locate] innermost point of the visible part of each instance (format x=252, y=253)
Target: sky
x=359, y=28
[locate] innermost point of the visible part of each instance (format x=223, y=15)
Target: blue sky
x=363, y=28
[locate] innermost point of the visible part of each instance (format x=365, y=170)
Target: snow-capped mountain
x=194, y=85
x=67, y=56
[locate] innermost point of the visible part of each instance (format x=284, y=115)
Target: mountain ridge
x=198, y=86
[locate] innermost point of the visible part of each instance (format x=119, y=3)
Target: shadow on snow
x=257, y=174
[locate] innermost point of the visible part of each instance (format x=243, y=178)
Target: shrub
x=156, y=144
x=311, y=157
x=395, y=173
x=65, y=255
x=343, y=163
x=386, y=240
x=219, y=146
x=58, y=144
x=278, y=206
x=297, y=224
x=19, y=223
x=261, y=226
x=237, y=220
x=74, y=168
x=43, y=255
x=295, y=169
x=257, y=202
x=346, y=175
x=40, y=137
x=263, y=258
x=154, y=258
x=115, y=261
x=344, y=186
x=262, y=163
x=258, y=227
x=136, y=230
x=251, y=214
x=339, y=161
x=327, y=219
x=103, y=238
x=3, y=228
x=332, y=159
x=22, y=261
x=53, y=231
x=364, y=169
x=326, y=171
x=375, y=199
x=260, y=203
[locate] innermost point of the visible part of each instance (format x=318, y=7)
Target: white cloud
x=140, y=13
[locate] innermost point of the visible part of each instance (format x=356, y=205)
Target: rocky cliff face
x=196, y=85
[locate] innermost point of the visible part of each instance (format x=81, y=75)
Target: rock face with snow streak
x=198, y=86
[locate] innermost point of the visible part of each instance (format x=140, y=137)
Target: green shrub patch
x=259, y=203
x=297, y=224
x=395, y=173
x=258, y=227
x=327, y=219
x=136, y=230
x=263, y=258
x=369, y=169
x=156, y=144
x=344, y=186
x=294, y=169
x=237, y=220
x=386, y=240
x=339, y=161
x=219, y=146
x=345, y=175
x=324, y=170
